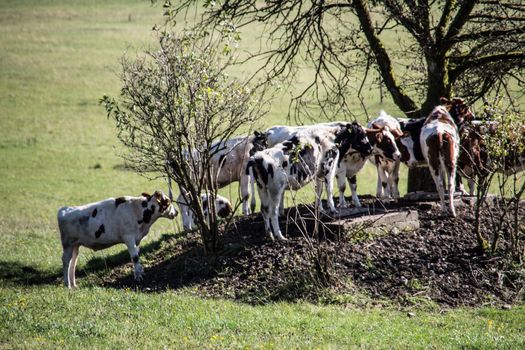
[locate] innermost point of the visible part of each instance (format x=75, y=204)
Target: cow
x=291, y=165
x=386, y=156
x=228, y=162
x=351, y=139
x=475, y=160
x=111, y=221
x=409, y=144
x=439, y=142
x=378, y=142
x=223, y=208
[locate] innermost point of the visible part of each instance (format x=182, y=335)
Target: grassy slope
x=56, y=60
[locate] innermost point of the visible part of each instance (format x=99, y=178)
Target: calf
x=351, y=140
x=378, y=142
x=440, y=146
x=103, y=224
x=223, y=209
x=474, y=158
x=230, y=161
x=386, y=156
x=291, y=165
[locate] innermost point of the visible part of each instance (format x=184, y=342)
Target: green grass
x=51, y=317
x=57, y=58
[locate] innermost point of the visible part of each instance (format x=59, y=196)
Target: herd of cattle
x=287, y=158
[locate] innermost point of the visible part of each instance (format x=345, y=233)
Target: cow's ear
x=397, y=133
x=444, y=101
x=147, y=195
x=379, y=137
x=158, y=195
x=375, y=126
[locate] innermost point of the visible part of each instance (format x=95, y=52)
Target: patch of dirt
x=439, y=262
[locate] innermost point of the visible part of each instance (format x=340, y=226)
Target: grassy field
x=57, y=58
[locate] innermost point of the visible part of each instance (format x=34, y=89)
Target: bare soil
x=439, y=262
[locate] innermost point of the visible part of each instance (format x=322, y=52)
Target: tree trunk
x=419, y=179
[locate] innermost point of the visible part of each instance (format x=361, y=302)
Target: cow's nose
x=397, y=155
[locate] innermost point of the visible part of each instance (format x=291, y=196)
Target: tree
x=176, y=102
x=467, y=48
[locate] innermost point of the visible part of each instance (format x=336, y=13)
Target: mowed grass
x=57, y=58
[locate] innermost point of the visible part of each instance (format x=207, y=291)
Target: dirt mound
x=439, y=262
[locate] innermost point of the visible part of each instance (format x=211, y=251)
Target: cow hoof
x=281, y=238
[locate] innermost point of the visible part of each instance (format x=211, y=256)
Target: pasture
x=57, y=58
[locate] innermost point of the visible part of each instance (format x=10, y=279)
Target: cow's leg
x=383, y=178
x=73, y=266
x=133, y=250
x=451, y=189
x=281, y=205
x=319, y=193
x=353, y=187
x=265, y=211
x=253, y=201
x=329, y=182
x=245, y=193
x=438, y=180
x=183, y=210
x=341, y=186
x=471, y=184
x=394, y=179
x=67, y=254
x=379, y=188
x=274, y=214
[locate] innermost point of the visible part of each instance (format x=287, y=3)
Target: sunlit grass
x=57, y=58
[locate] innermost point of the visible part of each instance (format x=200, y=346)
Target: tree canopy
x=419, y=50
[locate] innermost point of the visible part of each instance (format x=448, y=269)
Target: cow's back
x=94, y=225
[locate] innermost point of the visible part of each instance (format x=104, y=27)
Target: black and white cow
x=291, y=165
x=228, y=164
x=223, y=209
x=378, y=142
x=103, y=224
x=351, y=140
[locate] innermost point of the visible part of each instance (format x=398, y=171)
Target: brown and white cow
x=439, y=141
x=474, y=158
x=290, y=165
x=103, y=224
x=386, y=156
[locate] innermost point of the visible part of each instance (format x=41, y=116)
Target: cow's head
x=353, y=136
x=259, y=142
x=384, y=141
x=458, y=109
x=160, y=201
x=223, y=207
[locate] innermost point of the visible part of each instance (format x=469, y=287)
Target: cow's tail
x=250, y=172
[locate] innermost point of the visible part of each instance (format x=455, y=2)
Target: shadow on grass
x=17, y=273
x=20, y=274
